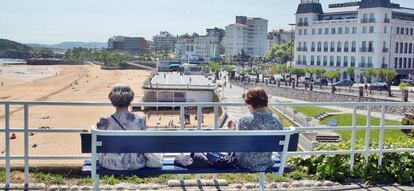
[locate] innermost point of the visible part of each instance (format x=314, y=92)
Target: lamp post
x=291, y=51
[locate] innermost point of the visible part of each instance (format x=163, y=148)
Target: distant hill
x=12, y=49
x=69, y=45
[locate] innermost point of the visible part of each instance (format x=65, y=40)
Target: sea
x=12, y=61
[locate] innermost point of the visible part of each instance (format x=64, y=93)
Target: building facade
x=277, y=37
x=199, y=47
x=134, y=44
x=248, y=35
x=363, y=34
x=164, y=42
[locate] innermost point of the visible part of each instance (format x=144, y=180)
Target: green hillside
x=12, y=49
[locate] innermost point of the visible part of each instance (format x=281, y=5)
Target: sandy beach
x=67, y=83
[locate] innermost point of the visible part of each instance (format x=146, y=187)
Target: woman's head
x=121, y=96
x=256, y=98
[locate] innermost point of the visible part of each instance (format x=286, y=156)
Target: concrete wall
x=199, y=96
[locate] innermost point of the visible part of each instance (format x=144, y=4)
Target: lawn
x=285, y=121
x=346, y=120
x=312, y=111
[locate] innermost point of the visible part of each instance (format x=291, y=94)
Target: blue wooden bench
x=99, y=141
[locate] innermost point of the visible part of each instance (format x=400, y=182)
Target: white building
x=248, y=35
x=197, y=47
x=363, y=34
x=277, y=37
x=164, y=42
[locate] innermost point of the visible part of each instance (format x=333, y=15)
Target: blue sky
x=54, y=21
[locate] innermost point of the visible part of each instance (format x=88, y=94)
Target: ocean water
x=12, y=61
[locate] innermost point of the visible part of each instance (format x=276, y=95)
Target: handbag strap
x=119, y=123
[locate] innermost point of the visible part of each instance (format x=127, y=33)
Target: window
x=400, y=63
x=354, y=30
x=326, y=31
x=340, y=30
x=300, y=32
x=318, y=60
x=305, y=46
x=364, y=30
x=325, y=60
x=331, y=61
x=325, y=47
x=410, y=48
x=371, y=29
x=345, y=61
x=333, y=30
x=406, y=31
x=313, y=47
x=319, y=31
x=338, y=61
x=332, y=46
x=385, y=30
x=396, y=47
x=339, y=47
x=372, y=17
x=362, y=64
x=353, y=46
x=347, y=30
x=353, y=61
x=411, y=31
x=371, y=46
x=312, y=60
x=401, y=47
x=319, y=46
x=369, y=62
x=346, y=46
x=304, y=60
x=395, y=62
x=305, y=31
x=313, y=31
x=406, y=48
x=364, y=46
x=398, y=30
x=405, y=62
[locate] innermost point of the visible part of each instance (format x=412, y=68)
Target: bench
x=99, y=141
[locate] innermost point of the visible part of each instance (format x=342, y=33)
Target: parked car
x=321, y=82
x=378, y=86
x=344, y=83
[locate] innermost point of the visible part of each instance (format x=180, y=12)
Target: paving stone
x=238, y=186
x=272, y=185
x=74, y=188
x=285, y=184
x=250, y=185
x=328, y=183
x=295, y=184
x=53, y=188
x=144, y=187
x=318, y=184
x=308, y=183
x=63, y=188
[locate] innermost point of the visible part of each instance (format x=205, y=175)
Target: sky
x=55, y=21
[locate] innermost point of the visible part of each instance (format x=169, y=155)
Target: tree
x=387, y=75
x=298, y=72
x=369, y=73
x=215, y=67
x=281, y=53
x=311, y=71
x=283, y=70
x=351, y=73
x=257, y=72
x=331, y=75
x=320, y=72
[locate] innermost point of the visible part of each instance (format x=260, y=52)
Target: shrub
x=396, y=167
x=49, y=178
x=110, y=180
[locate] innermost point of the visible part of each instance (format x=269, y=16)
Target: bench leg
x=262, y=177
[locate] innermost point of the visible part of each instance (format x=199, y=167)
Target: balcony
x=370, y=20
x=370, y=49
x=303, y=24
x=304, y=49
x=363, y=49
x=387, y=20
x=353, y=49
x=384, y=65
x=332, y=49
x=385, y=50
x=346, y=49
x=313, y=49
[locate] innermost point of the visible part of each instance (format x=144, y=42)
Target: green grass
x=285, y=121
x=2, y=176
x=346, y=120
x=110, y=180
x=312, y=111
x=49, y=178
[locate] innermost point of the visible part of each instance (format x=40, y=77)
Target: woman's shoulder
x=103, y=122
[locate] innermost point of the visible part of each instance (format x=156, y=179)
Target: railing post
x=26, y=145
x=216, y=117
x=7, y=143
x=199, y=117
x=182, y=118
x=367, y=134
x=381, y=138
x=354, y=124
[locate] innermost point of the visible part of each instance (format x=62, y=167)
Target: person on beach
x=258, y=119
x=121, y=97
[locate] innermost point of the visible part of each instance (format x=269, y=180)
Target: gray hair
x=121, y=95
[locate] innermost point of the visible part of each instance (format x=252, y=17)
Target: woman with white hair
x=121, y=97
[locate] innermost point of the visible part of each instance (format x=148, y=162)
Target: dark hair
x=121, y=95
x=256, y=97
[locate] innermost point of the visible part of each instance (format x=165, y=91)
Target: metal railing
x=26, y=130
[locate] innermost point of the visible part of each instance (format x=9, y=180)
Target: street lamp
x=291, y=51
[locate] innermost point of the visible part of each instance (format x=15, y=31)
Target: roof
x=341, y=9
x=173, y=80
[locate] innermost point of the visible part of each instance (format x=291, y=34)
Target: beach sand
x=66, y=83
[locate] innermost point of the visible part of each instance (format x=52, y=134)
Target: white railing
x=26, y=157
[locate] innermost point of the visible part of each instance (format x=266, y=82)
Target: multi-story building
x=164, y=42
x=362, y=34
x=248, y=35
x=199, y=47
x=134, y=44
x=280, y=36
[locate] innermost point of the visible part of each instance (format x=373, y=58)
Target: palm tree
x=387, y=75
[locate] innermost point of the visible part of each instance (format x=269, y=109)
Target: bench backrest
x=190, y=141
